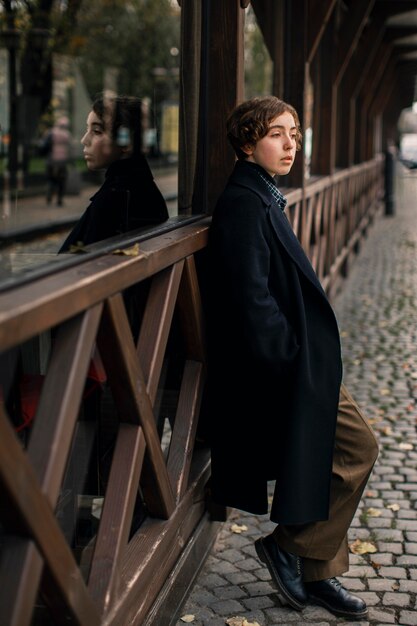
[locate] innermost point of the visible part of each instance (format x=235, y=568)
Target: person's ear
x=248, y=149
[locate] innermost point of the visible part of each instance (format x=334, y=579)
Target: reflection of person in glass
x=129, y=197
x=59, y=151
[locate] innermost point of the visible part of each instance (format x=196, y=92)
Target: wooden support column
x=381, y=97
x=351, y=84
x=222, y=88
x=338, y=46
x=295, y=17
x=324, y=98
x=374, y=76
x=191, y=24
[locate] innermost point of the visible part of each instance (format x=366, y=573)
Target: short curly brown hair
x=250, y=121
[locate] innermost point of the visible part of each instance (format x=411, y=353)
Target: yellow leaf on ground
x=387, y=430
x=187, y=618
x=236, y=528
x=373, y=512
x=385, y=392
x=393, y=507
x=362, y=547
x=240, y=621
x=405, y=446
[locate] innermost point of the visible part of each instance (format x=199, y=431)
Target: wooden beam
x=319, y=13
x=127, y=382
x=351, y=83
x=48, y=451
x=156, y=324
x=375, y=74
x=224, y=89
x=350, y=32
x=295, y=77
x=25, y=507
x=325, y=101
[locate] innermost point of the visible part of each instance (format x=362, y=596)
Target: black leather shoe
x=285, y=570
x=335, y=598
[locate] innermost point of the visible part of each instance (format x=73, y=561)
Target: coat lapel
x=287, y=237
x=246, y=176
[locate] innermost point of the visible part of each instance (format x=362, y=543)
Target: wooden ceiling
x=381, y=27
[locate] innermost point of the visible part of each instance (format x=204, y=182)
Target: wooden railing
x=129, y=570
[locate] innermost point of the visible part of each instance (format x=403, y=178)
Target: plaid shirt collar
x=279, y=199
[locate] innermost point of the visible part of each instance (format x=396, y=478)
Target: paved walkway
x=378, y=321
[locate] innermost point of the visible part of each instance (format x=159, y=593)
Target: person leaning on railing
x=277, y=408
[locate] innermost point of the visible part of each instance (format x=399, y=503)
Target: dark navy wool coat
x=274, y=360
x=128, y=199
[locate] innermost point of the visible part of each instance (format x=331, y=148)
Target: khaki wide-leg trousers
x=323, y=545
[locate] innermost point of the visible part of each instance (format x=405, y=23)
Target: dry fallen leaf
x=373, y=512
x=240, y=621
x=386, y=430
x=236, y=528
x=393, y=507
x=132, y=251
x=77, y=247
x=187, y=618
x=405, y=446
x=362, y=547
x=395, y=585
x=385, y=392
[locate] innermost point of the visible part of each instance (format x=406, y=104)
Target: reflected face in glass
x=100, y=150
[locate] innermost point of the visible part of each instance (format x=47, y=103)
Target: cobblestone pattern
x=378, y=322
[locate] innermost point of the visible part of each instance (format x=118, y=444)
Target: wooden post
x=295, y=18
x=222, y=83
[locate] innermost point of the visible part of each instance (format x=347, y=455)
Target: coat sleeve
x=240, y=242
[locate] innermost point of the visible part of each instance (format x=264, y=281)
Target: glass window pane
x=53, y=65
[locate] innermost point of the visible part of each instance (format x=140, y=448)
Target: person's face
x=99, y=148
x=276, y=151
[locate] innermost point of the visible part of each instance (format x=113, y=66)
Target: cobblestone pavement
x=377, y=318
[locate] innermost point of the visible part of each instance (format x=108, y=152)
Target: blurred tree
x=134, y=37
x=45, y=27
x=39, y=28
x=124, y=39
